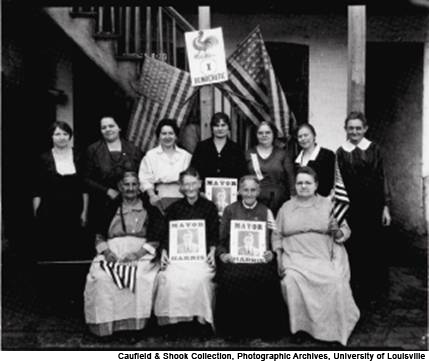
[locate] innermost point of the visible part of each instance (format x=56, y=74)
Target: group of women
x=304, y=278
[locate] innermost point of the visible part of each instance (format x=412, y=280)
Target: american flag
x=163, y=91
x=341, y=198
x=253, y=85
x=123, y=275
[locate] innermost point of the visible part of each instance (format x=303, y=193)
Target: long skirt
x=249, y=301
x=185, y=292
x=317, y=290
x=109, y=308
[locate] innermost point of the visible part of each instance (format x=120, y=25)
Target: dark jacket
x=102, y=172
x=61, y=195
x=229, y=163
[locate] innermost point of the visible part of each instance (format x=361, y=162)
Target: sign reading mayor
x=187, y=240
x=221, y=191
x=206, y=56
x=248, y=241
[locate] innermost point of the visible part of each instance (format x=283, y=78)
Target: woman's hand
x=83, y=219
x=109, y=255
x=333, y=226
x=268, y=256
x=211, y=258
x=281, y=270
x=154, y=198
x=164, y=260
x=112, y=193
x=131, y=257
x=386, y=219
x=226, y=258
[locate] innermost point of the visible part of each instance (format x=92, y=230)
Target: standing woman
x=60, y=201
x=361, y=167
x=106, y=160
x=322, y=160
x=161, y=166
x=272, y=166
x=219, y=156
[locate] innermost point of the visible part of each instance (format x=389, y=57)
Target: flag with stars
x=253, y=85
x=341, y=198
x=164, y=91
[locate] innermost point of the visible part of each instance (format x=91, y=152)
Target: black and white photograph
x=247, y=241
x=168, y=170
x=187, y=241
x=222, y=192
x=187, y=238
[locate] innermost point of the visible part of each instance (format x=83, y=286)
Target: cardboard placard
x=187, y=240
x=206, y=56
x=221, y=191
x=247, y=241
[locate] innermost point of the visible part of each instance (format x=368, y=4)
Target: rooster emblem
x=202, y=45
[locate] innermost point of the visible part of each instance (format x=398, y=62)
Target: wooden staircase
x=117, y=37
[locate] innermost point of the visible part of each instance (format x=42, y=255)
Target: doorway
x=394, y=112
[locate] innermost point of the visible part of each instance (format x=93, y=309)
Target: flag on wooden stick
x=341, y=198
x=253, y=85
x=164, y=93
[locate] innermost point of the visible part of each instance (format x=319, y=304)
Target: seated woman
x=119, y=287
x=314, y=263
x=184, y=289
x=248, y=296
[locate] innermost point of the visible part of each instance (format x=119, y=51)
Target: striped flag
x=123, y=275
x=341, y=198
x=253, y=85
x=163, y=91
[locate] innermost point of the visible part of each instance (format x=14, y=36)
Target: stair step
x=83, y=14
x=106, y=36
x=129, y=57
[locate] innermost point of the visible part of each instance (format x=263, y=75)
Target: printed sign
x=248, y=242
x=221, y=191
x=187, y=240
x=206, y=56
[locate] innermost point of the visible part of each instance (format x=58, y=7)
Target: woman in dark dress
x=106, y=160
x=248, y=296
x=272, y=166
x=60, y=201
x=361, y=167
x=185, y=290
x=322, y=160
x=219, y=156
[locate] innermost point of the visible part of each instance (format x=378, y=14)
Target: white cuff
x=149, y=248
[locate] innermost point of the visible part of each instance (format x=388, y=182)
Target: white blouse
x=159, y=170
x=64, y=163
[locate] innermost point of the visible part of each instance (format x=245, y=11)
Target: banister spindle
x=148, y=31
x=160, y=44
x=174, y=38
x=100, y=19
x=112, y=19
x=137, y=30
x=127, y=29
